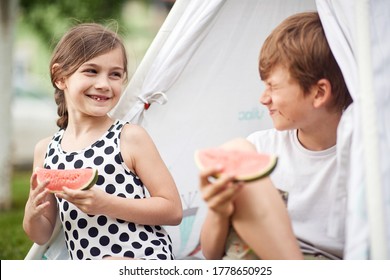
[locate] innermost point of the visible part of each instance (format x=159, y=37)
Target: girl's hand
x=40, y=212
x=91, y=201
x=38, y=201
x=220, y=193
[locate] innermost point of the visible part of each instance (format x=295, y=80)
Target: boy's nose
x=265, y=98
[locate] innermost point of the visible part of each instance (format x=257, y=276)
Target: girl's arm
x=41, y=207
x=141, y=155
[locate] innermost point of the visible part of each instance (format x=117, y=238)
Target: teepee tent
x=198, y=86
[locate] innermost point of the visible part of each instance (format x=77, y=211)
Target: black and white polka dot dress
x=97, y=236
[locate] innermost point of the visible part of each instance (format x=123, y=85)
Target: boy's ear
x=323, y=93
x=60, y=82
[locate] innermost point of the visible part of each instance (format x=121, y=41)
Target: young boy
x=306, y=95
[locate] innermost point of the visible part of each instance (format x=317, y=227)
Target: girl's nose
x=102, y=83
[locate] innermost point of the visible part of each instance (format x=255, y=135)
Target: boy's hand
x=220, y=193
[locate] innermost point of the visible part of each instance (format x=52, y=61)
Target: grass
x=14, y=243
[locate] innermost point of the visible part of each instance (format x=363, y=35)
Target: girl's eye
x=92, y=71
x=117, y=74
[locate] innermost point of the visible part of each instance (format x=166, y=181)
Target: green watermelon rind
x=248, y=178
x=267, y=172
x=89, y=184
x=92, y=182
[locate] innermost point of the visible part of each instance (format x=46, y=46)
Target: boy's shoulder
x=271, y=139
x=269, y=133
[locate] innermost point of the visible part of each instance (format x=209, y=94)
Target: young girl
x=114, y=218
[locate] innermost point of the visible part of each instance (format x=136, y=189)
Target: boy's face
x=284, y=98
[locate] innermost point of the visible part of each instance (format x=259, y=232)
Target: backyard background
x=39, y=25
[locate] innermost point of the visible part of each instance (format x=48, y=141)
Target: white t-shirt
x=308, y=177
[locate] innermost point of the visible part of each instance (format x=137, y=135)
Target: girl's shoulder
x=133, y=132
x=43, y=144
x=40, y=150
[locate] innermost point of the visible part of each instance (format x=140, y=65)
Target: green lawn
x=14, y=244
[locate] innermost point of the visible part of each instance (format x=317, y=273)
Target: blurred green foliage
x=50, y=17
x=14, y=243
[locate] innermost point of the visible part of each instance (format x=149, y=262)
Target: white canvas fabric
x=359, y=36
x=173, y=56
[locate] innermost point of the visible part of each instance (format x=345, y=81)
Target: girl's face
x=96, y=86
x=284, y=98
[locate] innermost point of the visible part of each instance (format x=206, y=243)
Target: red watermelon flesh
x=244, y=165
x=76, y=179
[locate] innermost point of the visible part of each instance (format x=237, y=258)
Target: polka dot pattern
x=98, y=236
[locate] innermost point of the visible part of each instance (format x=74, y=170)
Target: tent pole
x=373, y=184
x=134, y=87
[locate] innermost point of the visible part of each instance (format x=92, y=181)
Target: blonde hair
x=300, y=45
x=80, y=44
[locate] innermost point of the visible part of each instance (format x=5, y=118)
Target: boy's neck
x=320, y=137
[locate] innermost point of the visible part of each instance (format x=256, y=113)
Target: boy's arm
x=256, y=212
x=219, y=196
x=213, y=235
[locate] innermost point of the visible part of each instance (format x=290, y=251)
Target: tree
x=8, y=11
x=49, y=17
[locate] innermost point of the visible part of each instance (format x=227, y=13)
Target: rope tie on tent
x=158, y=97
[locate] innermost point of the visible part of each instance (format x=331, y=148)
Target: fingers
x=33, y=181
x=77, y=197
x=221, y=190
x=66, y=194
x=211, y=189
x=37, y=188
x=211, y=172
x=224, y=196
x=39, y=199
x=74, y=194
x=41, y=206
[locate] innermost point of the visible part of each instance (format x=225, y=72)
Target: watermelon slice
x=76, y=179
x=246, y=166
